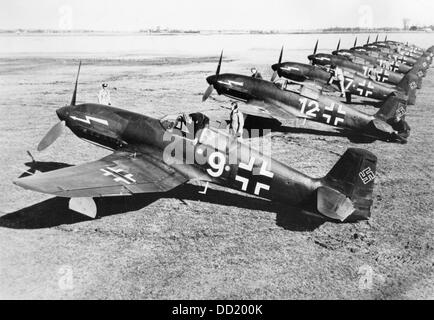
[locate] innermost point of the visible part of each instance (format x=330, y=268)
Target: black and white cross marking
x=383, y=76
x=338, y=117
x=118, y=174
x=401, y=59
x=364, y=87
x=251, y=182
x=394, y=66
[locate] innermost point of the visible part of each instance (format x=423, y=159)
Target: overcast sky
x=124, y=15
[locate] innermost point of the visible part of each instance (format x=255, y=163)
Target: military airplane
x=363, y=57
x=407, y=48
x=401, y=56
x=388, y=49
x=408, y=81
x=355, y=84
x=396, y=59
x=382, y=51
x=142, y=162
x=277, y=100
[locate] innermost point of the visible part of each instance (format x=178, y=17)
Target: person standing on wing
x=104, y=95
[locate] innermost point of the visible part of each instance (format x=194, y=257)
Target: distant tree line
x=359, y=30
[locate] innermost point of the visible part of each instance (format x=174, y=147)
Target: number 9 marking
x=217, y=161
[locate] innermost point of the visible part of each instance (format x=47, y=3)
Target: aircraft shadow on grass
x=372, y=103
x=276, y=126
x=358, y=139
x=54, y=212
x=35, y=166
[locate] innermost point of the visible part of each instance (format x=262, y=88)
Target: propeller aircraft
x=277, y=100
x=354, y=83
x=409, y=81
x=142, y=162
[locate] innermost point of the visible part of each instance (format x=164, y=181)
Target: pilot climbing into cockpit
x=190, y=124
x=200, y=121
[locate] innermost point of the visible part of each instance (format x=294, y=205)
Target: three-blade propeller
x=210, y=88
x=275, y=73
x=57, y=130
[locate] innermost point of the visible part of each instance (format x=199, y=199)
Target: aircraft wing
x=269, y=109
x=256, y=108
x=120, y=173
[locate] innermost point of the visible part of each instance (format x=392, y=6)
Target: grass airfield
x=185, y=245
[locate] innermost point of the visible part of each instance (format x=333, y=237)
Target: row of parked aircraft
x=386, y=74
x=155, y=155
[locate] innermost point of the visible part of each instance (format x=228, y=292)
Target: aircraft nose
x=63, y=112
x=311, y=57
x=211, y=79
x=275, y=67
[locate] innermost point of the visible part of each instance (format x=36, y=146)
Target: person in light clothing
x=338, y=75
x=104, y=95
x=236, y=122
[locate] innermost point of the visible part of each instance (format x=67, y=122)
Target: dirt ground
x=184, y=245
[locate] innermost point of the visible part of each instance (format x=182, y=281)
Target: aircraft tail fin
x=394, y=108
x=409, y=84
x=347, y=191
x=420, y=70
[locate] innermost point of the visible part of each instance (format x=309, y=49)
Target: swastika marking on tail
x=367, y=175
